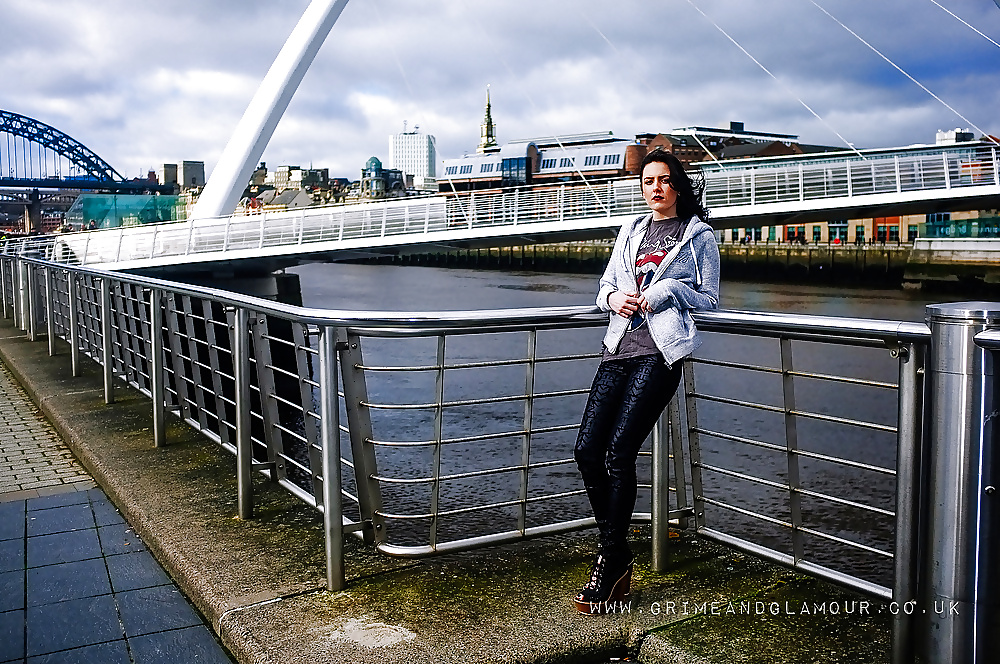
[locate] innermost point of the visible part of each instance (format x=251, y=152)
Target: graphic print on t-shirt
x=652, y=251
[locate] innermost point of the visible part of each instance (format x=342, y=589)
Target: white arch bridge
x=757, y=192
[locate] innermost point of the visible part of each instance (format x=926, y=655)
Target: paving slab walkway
x=77, y=585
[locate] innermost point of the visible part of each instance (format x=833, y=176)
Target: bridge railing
x=350, y=225
x=731, y=184
x=454, y=430
x=731, y=188
x=802, y=439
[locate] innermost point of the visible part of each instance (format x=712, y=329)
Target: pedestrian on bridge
x=664, y=265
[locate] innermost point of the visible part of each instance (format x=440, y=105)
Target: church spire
x=488, y=131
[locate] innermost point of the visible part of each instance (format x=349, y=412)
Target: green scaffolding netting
x=113, y=210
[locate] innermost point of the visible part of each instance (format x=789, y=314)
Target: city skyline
x=150, y=86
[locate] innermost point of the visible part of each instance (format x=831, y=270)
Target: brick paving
x=34, y=461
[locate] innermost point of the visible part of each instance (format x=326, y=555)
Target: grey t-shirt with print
x=660, y=238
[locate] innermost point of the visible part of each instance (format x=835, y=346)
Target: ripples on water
x=398, y=288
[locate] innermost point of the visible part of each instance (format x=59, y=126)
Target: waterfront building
x=186, y=175
x=378, y=182
x=413, y=153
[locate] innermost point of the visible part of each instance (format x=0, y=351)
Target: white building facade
x=413, y=153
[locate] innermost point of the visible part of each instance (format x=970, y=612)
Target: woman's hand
x=624, y=304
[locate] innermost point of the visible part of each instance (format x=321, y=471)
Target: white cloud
x=142, y=84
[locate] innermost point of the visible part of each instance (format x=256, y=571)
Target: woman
x=664, y=264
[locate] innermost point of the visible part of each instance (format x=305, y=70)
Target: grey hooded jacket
x=688, y=278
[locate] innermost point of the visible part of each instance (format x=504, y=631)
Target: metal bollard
x=961, y=591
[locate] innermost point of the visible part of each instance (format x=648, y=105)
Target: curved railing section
x=429, y=432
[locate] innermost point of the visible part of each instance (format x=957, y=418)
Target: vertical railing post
x=908, y=456
x=106, y=346
x=529, y=404
x=791, y=448
x=157, y=367
x=694, y=446
x=4, y=292
x=50, y=319
x=677, y=454
x=962, y=552
x=22, y=295
x=359, y=426
x=438, y=434
x=32, y=272
x=333, y=515
x=239, y=331
x=660, y=508
x=74, y=323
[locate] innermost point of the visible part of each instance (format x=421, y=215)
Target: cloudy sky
x=146, y=83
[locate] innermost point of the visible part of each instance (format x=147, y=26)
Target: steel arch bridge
x=36, y=155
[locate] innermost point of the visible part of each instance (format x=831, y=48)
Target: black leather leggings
x=625, y=401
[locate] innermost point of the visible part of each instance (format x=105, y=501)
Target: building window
x=611, y=159
x=893, y=233
x=548, y=163
x=770, y=233
x=486, y=168
x=465, y=169
x=912, y=232
x=593, y=160
x=817, y=234
x=859, y=234
x=566, y=162
x=451, y=170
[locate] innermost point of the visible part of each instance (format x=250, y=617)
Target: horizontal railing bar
x=845, y=542
x=843, y=420
x=740, y=439
x=845, y=502
x=844, y=379
x=493, y=539
x=844, y=462
x=733, y=365
x=472, y=439
x=746, y=512
x=742, y=476
x=472, y=473
x=737, y=402
x=787, y=560
x=480, y=508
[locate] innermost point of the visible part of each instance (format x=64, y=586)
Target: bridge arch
x=33, y=150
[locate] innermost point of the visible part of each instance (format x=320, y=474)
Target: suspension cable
x=967, y=24
x=776, y=79
x=904, y=73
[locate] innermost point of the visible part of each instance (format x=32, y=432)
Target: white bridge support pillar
x=230, y=176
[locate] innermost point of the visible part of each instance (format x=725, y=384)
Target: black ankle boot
x=610, y=584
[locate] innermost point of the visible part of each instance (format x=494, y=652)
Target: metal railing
x=732, y=189
x=443, y=431
x=845, y=176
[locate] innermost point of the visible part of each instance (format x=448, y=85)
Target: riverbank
x=260, y=582
x=971, y=266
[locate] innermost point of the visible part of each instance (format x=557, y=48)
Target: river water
x=406, y=288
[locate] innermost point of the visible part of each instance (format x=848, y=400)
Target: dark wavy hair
x=689, y=189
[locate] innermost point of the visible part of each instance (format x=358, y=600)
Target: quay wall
x=925, y=262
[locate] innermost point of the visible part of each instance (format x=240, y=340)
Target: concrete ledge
x=261, y=582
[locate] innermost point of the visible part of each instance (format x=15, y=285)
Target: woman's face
x=660, y=196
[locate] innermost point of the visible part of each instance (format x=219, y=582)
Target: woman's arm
x=609, y=280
